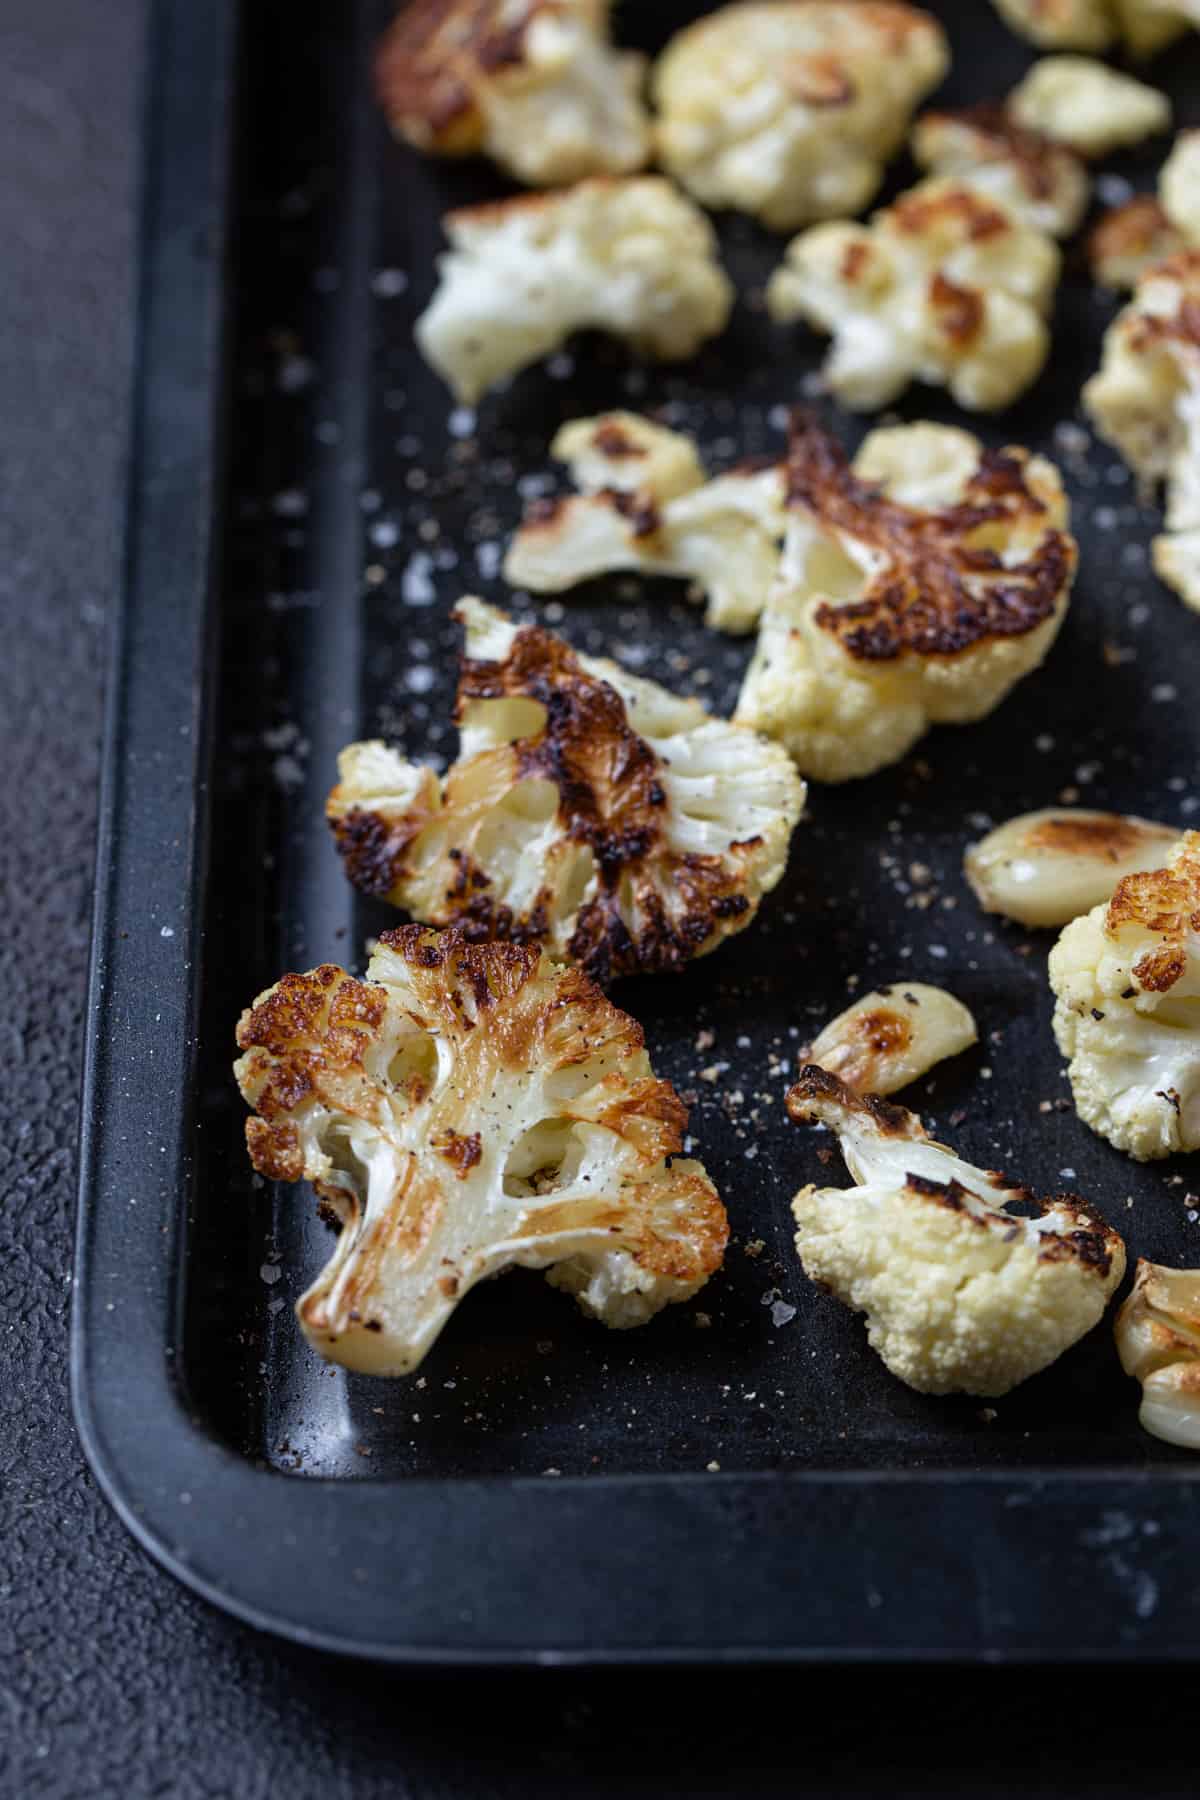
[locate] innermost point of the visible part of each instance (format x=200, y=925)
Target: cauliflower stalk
x=633, y=257
x=1144, y=25
x=1158, y=1341
x=944, y=286
x=534, y=84
x=790, y=111
x=984, y=148
x=644, y=504
x=589, y=810
x=1126, y=981
x=465, y=1109
x=969, y=1283
x=1145, y=400
x=916, y=588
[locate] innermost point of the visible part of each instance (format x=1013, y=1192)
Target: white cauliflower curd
x=1126, y=981
x=589, y=810
x=892, y=1037
x=1047, y=867
x=1145, y=400
x=1158, y=1341
x=1144, y=25
x=970, y=1284
x=1087, y=105
x=791, y=110
x=985, y=148
x=916, y=588
x=944, y=286
x=644, y=504
x=468, y=1108
x=534, y=84
x=633, y=257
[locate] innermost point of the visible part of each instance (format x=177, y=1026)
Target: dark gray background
x=114, y=1681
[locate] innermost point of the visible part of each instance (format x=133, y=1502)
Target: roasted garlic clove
x=1046, y=868
x=893, y=1036
x=1158, y=1340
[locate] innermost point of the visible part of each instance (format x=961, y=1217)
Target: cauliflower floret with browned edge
x=1146, y=401
x=969, y=1282
x=534, y=84
x=589, y=810
x=644, y=504
x=1131, y=238
x=916, y=588
x=1126, y=982
x=892, y=1036
x=468, y=1108
x=1087, y=105
x=790, y=111
x=1144, y=25
x=943, y=286
x=984, y=147
x=1158, y=1341
x=632, y=257
x=1047, y=867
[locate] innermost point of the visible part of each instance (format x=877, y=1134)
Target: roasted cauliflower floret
x=645, y=504
x=892, y=1037
x=963, y=1290
x=943, y=286
x=1145, y=25
x=589, y=810
x=1131, y=238
x=1146, y=401
x=466, y=1108
x=915, y=589
x=1087, y=105
x=983, y=147
x=635, y=258
x=1158, y=1341
x=534, y=84
x=1126, y=981
x=1045, y=868
x=791, y=110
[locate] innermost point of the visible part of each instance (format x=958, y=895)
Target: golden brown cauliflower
x=943, y=286
x=589, y=810
x=791, y=110
x=644, y=504
x=970, y=1283
x=1131, y=238
x=1146, y=401
x=468, y=1108
x=1158, y=1341
x=916, y=588
x=633, y=257
x=984, y=147
x=1144, y=25
x=1126, y=982
x=534, y=84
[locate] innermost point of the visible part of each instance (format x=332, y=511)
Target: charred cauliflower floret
x=1045, y=868
x=969, y=1283
x=1087, y=105
x=944, y=286
x=1146, y=401
x=534, y=84
x=644, y=504
x=632, y=257
x=1144, y=25
x=1131, y=238
x=1158, y=1341
x=1126, y=981
x=916, y=588
x=892, y=1037
x=466, y=1108
x=983, y=147
x=589, y=810
x=791, y=110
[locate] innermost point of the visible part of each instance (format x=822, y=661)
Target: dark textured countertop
x=113, y=1680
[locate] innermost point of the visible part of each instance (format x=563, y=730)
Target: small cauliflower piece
x=534, y=84
x=916, y=588
x=1131, y=238
x=1179, y=186
x=1144, y=25
x=589, y=810
x=467, y=1108
x=983, y=147
x=1045, y=868
x=970, y=1284
x=1145, y=400
x=892, y=1037
x=645, y=505
x=791, y=110
x=944, y=286
x=633, y=257
x=1158, y=1341
x=1087, y=105
x=1126, y=982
